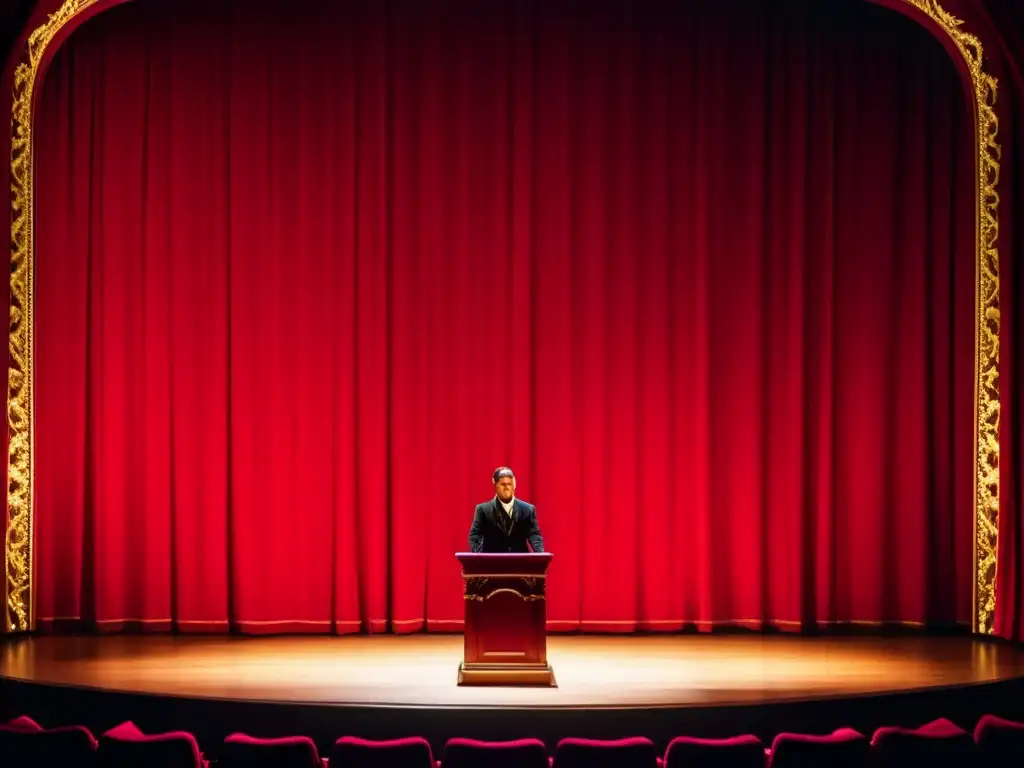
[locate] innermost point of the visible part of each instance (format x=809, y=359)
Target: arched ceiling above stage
x=999, y=24
x=1006, y=15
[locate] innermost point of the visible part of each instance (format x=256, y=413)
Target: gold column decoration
x=20, y=616
x=986, y=332
x=19, y=539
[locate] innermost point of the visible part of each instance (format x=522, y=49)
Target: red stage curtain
x=701, y=275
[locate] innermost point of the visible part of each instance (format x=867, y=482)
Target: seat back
x=999, y=742
x=737, y=752
x=24, y=742
x=353, y=752
x=240, y=750
x=845, y=748
x=471, y=753
x=938, y=744
x=637, y=752
x=125, y=746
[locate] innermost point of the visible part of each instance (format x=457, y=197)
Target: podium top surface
x=504, y=563
x=507, y=555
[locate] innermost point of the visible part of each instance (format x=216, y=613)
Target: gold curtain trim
x=18, y=549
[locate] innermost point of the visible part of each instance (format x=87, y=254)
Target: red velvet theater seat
x=938, y=744
x=353, y=752
x=737, y=752
x=470, y=753
x=999, y=743
x=125, y=746
x=23, y=724
x=242, y=751
x=843, y=748
x=23, y=742
x=637, y=752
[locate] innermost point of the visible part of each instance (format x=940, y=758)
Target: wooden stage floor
x=608, y=686
x=591, y=672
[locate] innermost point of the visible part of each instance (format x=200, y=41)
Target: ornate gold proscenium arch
x=987, y=317
x=20, y=614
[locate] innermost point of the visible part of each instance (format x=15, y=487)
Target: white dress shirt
x=508, y=505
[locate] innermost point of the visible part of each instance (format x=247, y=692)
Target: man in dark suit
x=505, y=523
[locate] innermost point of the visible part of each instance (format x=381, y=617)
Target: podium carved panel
x=483, y=588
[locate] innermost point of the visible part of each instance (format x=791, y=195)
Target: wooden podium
x=506, y=619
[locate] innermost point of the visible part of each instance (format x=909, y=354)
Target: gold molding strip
x=18, y=550
x=987, y=311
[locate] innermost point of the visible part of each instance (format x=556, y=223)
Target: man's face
x=504, y=488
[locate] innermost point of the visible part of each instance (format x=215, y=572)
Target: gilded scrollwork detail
x=476, y=588
x=18, y=541
x=987, y=324
x=528, y=589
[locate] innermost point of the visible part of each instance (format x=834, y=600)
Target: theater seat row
x=996, y=742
